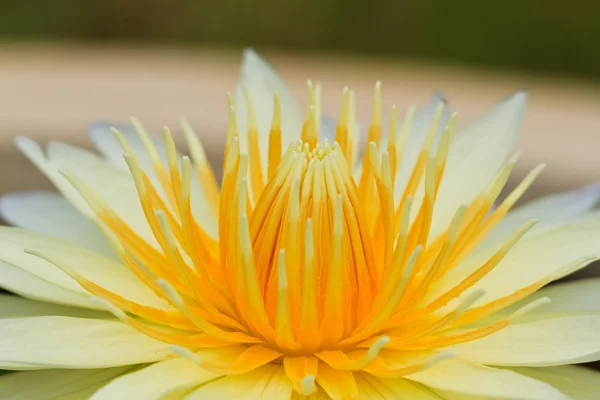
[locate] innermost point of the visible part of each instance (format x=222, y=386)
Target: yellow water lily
x=304, y=274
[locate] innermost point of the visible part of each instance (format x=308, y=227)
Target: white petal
x=550, y=211
x=261, y=81
x=267, y=382
x=65, y=342
x=371, y=387
x=160, y=380
x=580, y=296
x=547, y=342
x=476, y=155
x=100, y=270
x=468, y=378
x=535, y=257
x=30, y=286
x=578, y=382
x=57, y=383
x=115, y=186
x=107, y=144
x=17, y=307
x=420, y=126
x=52, y=214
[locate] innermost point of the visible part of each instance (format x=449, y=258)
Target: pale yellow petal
x=564, y=340
x=550, y=254
x=574, y=297
x=12, y=306
x=578, y=382
x=65, y=342
x=157, y=381
x=30, y=286
x=94, y=267
x=60, y=384
x=51, y=214
x=267, y=382
x=550, y=211
x=112, y=184
x=469, y=378
x=371, y=387
x=476, y=155
x=262, y=81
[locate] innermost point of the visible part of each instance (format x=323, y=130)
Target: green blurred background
x=553, y=36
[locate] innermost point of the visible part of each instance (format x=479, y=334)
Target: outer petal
x=419, y=128
x=64, y=342
x=102, y=271
x=555, y=341
x=548, y=254
x=261, y=81
x=52, y=214
x=57, y=383
x=115, y=186
x=17, y=307
x=160, y=380
x=575, y=297
x=107, y=144
x=30, y=286
x=268, y=382
x=373, y=388
x=578, y=382
x=468, y=378
x=476, y=155
x=550, y=211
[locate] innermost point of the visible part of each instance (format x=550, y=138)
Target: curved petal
x=65, y=342
x=52, y=214
x=550, y=211
x=464, y=377
x=573, y=297
x=549, y=254
x=261, y=81
x=547, y=342
x=476, y=155
x=30, y=286
x=114, y=186
x=17, y=307
x=578, y=382
x=373, y=388
x=267, y=382
x=157, y=381
x=100, y=270
x=57, y=383
x=416, y=138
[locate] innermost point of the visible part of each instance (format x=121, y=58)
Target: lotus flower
x=317, y=269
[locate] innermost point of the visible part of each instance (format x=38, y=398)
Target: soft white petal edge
x=579, y=383
x=94, y=267
x=555, y=341
x=262, y=82
x=461, y=376
x=157, y=381
x=57, y=383
x=65, y=342
x=51, y=214
x=476, y=155
x=267, y=382
x=12, y=306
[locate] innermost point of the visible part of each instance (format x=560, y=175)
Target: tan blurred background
x=65, y=63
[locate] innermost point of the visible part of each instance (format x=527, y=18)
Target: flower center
x=312, y=259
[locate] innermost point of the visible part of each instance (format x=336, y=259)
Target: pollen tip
x=117, y=312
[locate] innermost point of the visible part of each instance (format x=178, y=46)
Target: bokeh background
x=66, y=63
